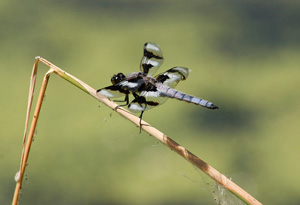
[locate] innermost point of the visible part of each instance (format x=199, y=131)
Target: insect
x=148, y=91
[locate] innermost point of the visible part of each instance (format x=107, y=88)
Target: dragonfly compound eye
x=117, y=78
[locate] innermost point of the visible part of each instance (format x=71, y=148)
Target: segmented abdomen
x=172, y=93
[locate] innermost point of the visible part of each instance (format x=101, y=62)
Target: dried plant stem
x=26, y=149
x=206, y=168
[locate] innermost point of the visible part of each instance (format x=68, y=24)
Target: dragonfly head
x=118, y=78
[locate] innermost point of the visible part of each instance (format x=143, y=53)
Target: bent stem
x=206, y=168
x=26, y=149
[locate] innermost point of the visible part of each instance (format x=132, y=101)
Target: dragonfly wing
x=113, y=91
x=152, y=58
x=173, y=76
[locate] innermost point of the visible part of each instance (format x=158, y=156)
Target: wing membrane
x=152, y=59
x=172, y=76
x=141, y=104
x=113, y=91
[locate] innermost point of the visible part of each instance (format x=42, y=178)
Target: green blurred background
x=244, y=57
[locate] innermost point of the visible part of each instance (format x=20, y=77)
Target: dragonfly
x=148, y=91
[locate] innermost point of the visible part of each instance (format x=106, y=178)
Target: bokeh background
x=244, y=57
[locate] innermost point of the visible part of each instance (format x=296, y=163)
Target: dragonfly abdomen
x=172, y=93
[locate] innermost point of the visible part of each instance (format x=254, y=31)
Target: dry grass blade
x=26, y=147
x=30, y=97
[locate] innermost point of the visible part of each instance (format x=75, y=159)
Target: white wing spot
x=154, y=63
x=106, y=93
x=152, y=46
x=136, y=108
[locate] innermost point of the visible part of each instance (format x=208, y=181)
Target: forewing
x=113, y=91
x=172, y=76
x=152, y=58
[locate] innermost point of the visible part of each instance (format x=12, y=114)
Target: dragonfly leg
x=142, y=103
x=141, y=116
x=135, y=95
x=125, y=100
